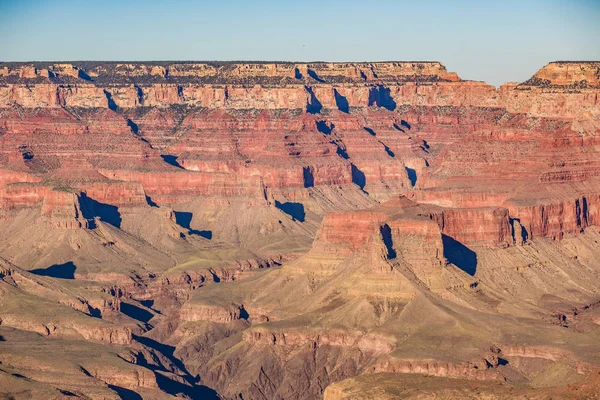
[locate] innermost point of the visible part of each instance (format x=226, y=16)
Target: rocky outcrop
x=570, y=74
x=468, y=370
x=554, y=219
x=211, y=313
x=244, y=130
x=477, y=226
x=275, y=227
x=371, y=345
x=344, y=232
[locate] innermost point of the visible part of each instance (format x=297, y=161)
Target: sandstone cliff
x=268, y=229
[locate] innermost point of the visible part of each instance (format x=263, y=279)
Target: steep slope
x=375, y=295
x=267, y=229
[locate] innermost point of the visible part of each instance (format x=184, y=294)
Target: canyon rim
x=264, y=230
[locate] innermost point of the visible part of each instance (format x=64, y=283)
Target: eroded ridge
x=297, y=230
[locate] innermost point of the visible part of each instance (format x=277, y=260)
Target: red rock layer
x=479, y=226
x=166, y=133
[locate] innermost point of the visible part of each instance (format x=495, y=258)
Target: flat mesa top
x=94, y=63
x=575, y=74
x=213, y=71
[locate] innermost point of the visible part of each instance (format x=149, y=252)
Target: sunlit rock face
x=294, y=230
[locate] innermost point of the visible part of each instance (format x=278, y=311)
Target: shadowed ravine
x=263, y=230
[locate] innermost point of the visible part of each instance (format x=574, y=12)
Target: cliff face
x=387, y=191
x=254, y=130
x=273, y=86
x=570, y=74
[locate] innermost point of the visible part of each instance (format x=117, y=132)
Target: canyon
x=253, y=230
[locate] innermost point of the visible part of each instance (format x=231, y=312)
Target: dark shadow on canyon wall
x=358, y=177
x=111, y=103
x=341, y=102
x=147, y=303
x=139, y=93
x=244, y=313
x=381, y=97
x=294, y=210
x=184, y=219
x=314, y=75
x=370, y=131
x=341, y=151
x=314, y=106
x=193, y=390
x=171, y=160
x=215, y=277
x=62, y=271
x=135, y=129
x=309, y=179
x=324, y=127
x=125, y=394
x=388, y=150
x=205, y=234
x=524, y=233
x=460, y=255
x=150, y=202
x=412, y=175
x=135, y=312
x=175, y=388
x=82, y=75
x=386, y=236
x=397, y=127
x=91, y=209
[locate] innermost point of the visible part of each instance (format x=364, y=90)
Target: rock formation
x=297, y=230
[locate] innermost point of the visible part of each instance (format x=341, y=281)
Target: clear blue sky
x=495, y=41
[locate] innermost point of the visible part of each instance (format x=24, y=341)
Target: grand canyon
x=256, y=230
